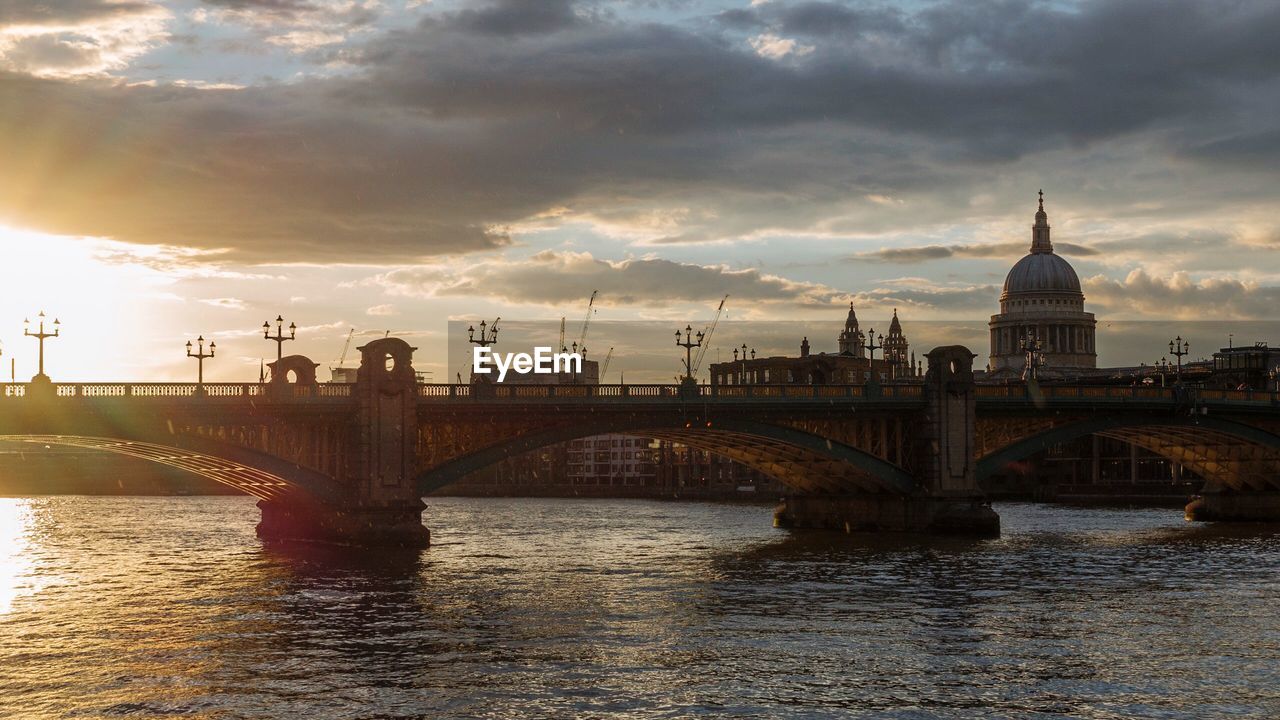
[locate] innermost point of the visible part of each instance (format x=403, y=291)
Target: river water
x=158, y=607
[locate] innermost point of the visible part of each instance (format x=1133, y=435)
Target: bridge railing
x=211, y=391
x=647, y=392
x=1105, y=393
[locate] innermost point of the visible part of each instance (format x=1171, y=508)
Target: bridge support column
x=381, y=503
x=390, y=526
x=947, y=499
x=1220, y=505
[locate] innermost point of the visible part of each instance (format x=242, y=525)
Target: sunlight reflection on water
x=537, y=608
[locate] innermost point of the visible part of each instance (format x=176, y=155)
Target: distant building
x=1249, y=367
x=1042, y=299
x=613, y=460
x=850, y=366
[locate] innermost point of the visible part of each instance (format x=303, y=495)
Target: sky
x=175, y=169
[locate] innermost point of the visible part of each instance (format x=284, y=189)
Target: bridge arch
x=801, y=460
x=1226, y=452
x=252, y=472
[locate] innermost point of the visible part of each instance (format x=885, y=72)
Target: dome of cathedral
x=1041, y=272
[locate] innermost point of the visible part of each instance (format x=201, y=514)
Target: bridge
x=350, y=463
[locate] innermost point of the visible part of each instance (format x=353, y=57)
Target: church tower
x=851, y=340
x=896, y=349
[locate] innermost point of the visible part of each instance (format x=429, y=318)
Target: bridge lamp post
x=743, y=379
x=40, y=336
x=279, y=337
x=200, y=356
x=488, y=336
x=573, y=367
x=871, y=347
x=689, y=343
x=1179, y=347
x=1163, y=367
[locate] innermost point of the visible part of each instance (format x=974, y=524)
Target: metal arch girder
x=1211, y=454
x=995, y=461
x=886, y=475
x=254, y=473
x=788, y=464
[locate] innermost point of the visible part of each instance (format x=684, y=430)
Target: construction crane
x=582, y=341
x=340, y=374
x=604, y=367
x=562, y=346
x=706, y=340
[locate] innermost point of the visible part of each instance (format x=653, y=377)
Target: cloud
x=75, y=38
x=437, y=139
x=382, y=310
x=227, y=303
x=768, y=45
x=939, y=300
x=301, y=26
x=1180, y=296
x=552, y=278
x=924, y=253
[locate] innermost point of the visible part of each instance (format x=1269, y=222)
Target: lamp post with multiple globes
x=1177, y=348
x=280, y=338
x=200, y=356
x=40, y=335
x=689, y=342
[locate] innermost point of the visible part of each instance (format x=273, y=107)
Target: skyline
x=178, y=169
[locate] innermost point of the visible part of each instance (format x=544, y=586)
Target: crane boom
x=706, y=341
x=346, y=348
x=582, y=341
x=604, y=367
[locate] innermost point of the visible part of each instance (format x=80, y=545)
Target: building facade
x=1042, y=311
x=852, y=365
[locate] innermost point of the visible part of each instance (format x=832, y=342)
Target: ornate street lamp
x=200, y=356
x=689, y=343
x=488, y=336
x=582, y=352
x=1179, y=347
x=871, y=347
x=279, y=337
x=1163, y=367
x=40, y=336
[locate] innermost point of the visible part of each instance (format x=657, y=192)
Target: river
x=159, y=607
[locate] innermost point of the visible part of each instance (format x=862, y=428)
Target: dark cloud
x=553, y=278
x=517, y=17
x=64, y=12
x=814, y=19
x=924, y=253
x=438, y=138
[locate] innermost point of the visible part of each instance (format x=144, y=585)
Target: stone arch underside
x=800, y=460
x=1224, y=452
x=249, y=471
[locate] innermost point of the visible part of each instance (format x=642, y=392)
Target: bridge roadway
x=856, y=456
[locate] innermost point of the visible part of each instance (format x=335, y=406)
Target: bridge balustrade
x=644, y=392
x=647, y=392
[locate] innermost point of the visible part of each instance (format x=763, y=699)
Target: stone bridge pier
x=381, y=504
x=946, y=498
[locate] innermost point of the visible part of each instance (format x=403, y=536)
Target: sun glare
x=106, y=308
x=15, y=520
